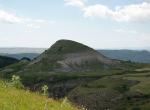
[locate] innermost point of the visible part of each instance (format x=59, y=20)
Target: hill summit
x=68, y=46
x=67, y=56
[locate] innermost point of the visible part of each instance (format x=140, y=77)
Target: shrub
x=45, y=90
x=16, y=82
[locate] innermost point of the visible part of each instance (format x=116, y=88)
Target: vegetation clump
x=16, y=82
x=45, y=90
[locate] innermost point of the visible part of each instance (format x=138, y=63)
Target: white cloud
x=133, y=12
x=77, y=3
x=97, y=10
x=7, y=17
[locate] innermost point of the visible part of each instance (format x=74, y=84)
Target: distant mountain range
x=21, y=55
x=132, y=55
x=19, y=50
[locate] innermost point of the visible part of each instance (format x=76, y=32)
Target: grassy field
x=144, y=83
x=15, y=99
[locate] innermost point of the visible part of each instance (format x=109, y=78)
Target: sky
x=101, y=24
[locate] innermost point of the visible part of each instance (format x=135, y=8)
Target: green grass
x=97, y=98
x=118, y=84
x=141, y=75
x=143, y=86
x=14, y=99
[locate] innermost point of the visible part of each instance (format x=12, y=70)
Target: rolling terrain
x=86, y=77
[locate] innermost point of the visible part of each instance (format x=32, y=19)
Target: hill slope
x=66, y=56
x=63, y=66
x=86, y=77
x=14, y=99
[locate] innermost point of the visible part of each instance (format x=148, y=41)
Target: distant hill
x=67, y=55
x=22, y=55
x=132, y=55
x=20, y=50
x=5, y=61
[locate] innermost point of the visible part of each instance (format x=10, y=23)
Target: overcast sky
x=101, y=24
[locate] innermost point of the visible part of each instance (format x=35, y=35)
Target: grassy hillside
x=14, y=99
x=95, y=82
x=128, y=88
x=99, y=89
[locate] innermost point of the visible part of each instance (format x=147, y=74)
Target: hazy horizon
x=138, y=49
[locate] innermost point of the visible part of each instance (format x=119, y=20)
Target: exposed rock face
x=66, y=56
x=75, y=60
